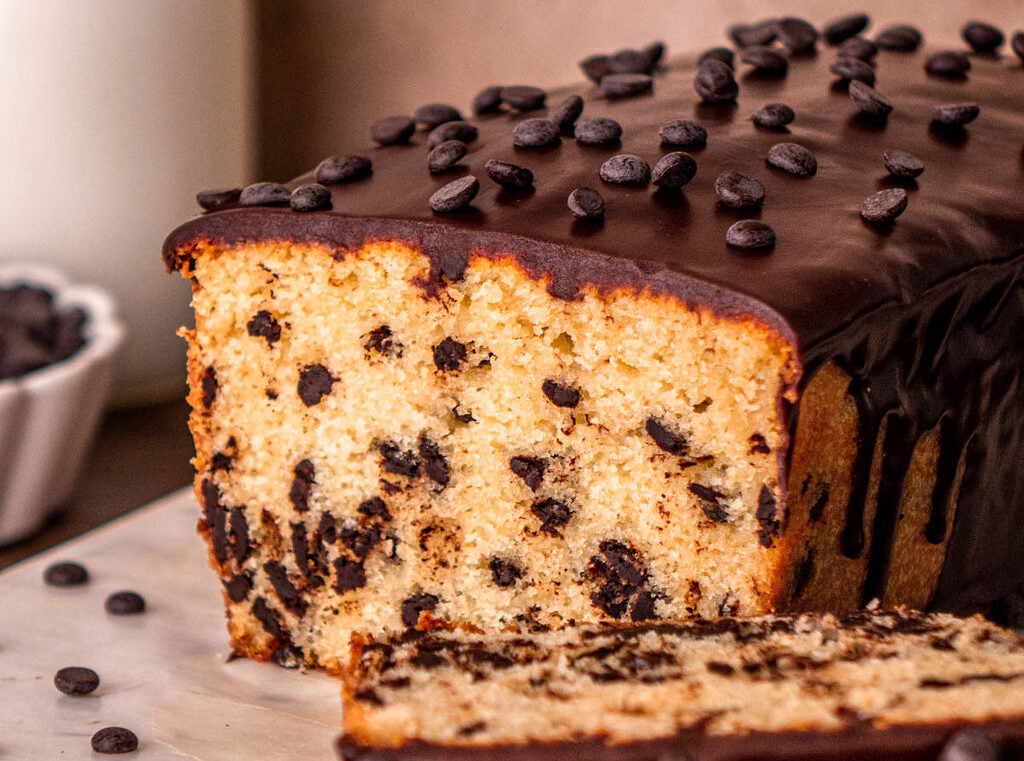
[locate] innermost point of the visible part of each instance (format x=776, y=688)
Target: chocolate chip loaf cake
x=867, y=685
x=500, y=371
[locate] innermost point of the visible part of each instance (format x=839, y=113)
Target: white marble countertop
x=164, y=674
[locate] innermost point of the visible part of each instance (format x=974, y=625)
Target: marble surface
x=164, y=674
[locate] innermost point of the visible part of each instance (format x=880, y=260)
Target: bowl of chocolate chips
x=58, y=342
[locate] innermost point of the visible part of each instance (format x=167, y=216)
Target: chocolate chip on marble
x=715, y=82
x=311, y=197
x=970, y=745
x=76, y=680
x=349, y=575
x=237, y=587
x=567, y=112
x=523, y=97
x=765, y=60
x=1017, y=44
x=771, y=526
x=955, y=114
x=505, y=572
x=793, y=159
x=446, y=155
x=859, y=47
x=327, y=528
x=671, y=441
x=797, y=35
x=265, y=194
x=449, y=354
x=844, y=28
x=628, y=61
x=315, y=382
x=625, y=85
x=488, y=100
x=586, y=204
x=559, y=394
x=851, y=69
x=125, y=603
x=884, y=206
x=553, y=514
x=456, y=195
x=337, y=169
x=392, y=130
x=682, y=133
x=220, y=198
x=302, y=484
x=508, y=175
x=530, y=469
x=625, y=169
x=208, y=384
x=982, y=37
x=264, y=325
x=111, y=740
x=435, y=464
x=214, y=517
x=710, y=502
x=381, y=340
x=750, y=234
x=414, y=605
x=761, y=33
x=870, y=102
x=725, y=55
x=773, y=115
x=598, y=130
x=948, y=63
x=66, y=574
x=461, y=131
x=433, y=114
x=674, y=170
x=536, y=133
x=902, y=164
x=902, y=38
x=739, y=191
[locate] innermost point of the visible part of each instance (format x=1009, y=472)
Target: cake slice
x=878, y=685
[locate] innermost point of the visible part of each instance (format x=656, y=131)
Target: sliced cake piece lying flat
x=876, y=685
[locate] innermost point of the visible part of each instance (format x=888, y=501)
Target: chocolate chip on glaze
x=374, y=507
x=766, y=61
x=710, y=502
x=302, y=483
x=793, y=159
x=416, y=604
x=902, y=38
x=682, y=133
x=553, y=515
x=715, y=82
x=902, y=164
x=760, y=33
x=505, y=572
x=869, y=101
x=674, y=170
x=773, y=116
x=625, y=85
x=523, y=97
x=586, y=204
x=530, y=469
x=392, y=130
x=567, y=112
x=334, y=170
x=445, y=155
x=455, y=196
x=311, y=197
x=327, y=528
x=739, y=191
x=487, y=101
x=536, y=133
x=315, y=382
x=625, y=169
x=767, y=516
x=398, y=461
x=449, y=354
x=955, y=114
x=349, y=575
x=725, y=55
x=883, y=207
x=464, y=132
x=859, y=47
x=208, y=384
x=951, y=64
x=798, y=36
x=433, y=114
x=560, y=395
x=598, y=130
x=982, y=37
x=671, y=441
x=221, y=198
x=264, y=194
x=435, y=464
x=750, y=235
x=844, y=28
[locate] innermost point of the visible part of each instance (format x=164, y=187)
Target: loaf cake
x=866, y=685
x=497, y=371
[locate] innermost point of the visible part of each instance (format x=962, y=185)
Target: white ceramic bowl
x=48, y=416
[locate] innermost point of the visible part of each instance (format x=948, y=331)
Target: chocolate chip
x=530, y=469
x=456, y=195
x=884, y=206
x=587, y=204
x=797, y=35
x=722, y=669
x=349, y=575
x=66, y=574
x=374, y=507
x=392, y=130
x=625, y=169
x=240, y=534
x=311, y=197
x=488, y=100
x=761, y=33
x=337, y=169
x=598, y=130
x=114, y=740
x=212, y=200
x=553, y=514
x=767, y=517
x=434, y=114
x=902, y=164
x=902, y=37
x=505, y=572
x=750, y=234
x=125, y=603
x=76, y=680
x=305, y=477
x=536, y=133
x=560, y=395
x=623, y=577
x=359, y=540
x=710, y=502
x=846, y=27
x=970, y=745
x=461, y=131
x=264, y=325
x=773, y=115
x=629, y=61
x=595, y=67
x=268, y=618
x=413, y=605
x=435, y=464
x=955, y=114
x=715, y=83
x=674, y=170
x=523, y=97
x=948, y=63
x=653, y=54
x=315, y=382
x=237, y=587
x=982, y=37
x=220, y=461
x=381, y=340
x=792, y=158
x=672, y=442
x=859, y=47
x=449, y=354
x=681, y=133
x=725, y=55
x=288, y=656
x=738, y=191
x=398, y=461
x=870, y=102
x=208, y=385
x=446, y=155
x=852, y=69
x=765, y=60
x=285, y=589
x=567, y=112
x=265, y=194
x=1017, y=44
x=508, y=175
x=625, y=85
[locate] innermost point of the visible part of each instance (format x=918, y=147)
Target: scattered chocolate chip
x=715, y=83
x=374, y=507
x=220, y=461
x=738, y=191
x=349, y=575
x=264, y=194
x=237, y=587
x=955, y=114
x=902, y=37
x=359, y=540
x=505, y=572
x=508, y=175
x=288, y=656
x=625, y=169
x=750, y=234
x=948, y=63
x=797, y=35
x=66, y=574
x=620, y=570
x=553, y=514
x=212, y=200
x=725, y=55
x=523, y=97
x=852, y=69
x=461, y=131
x=239, y=536
x=587, y=204
x=765, y=60
x=672, y=442
x=413, y=605
x=792, y=158
x=846, y=27
x=625, y=85
x=392, y=130
x=115, y=740
x=311, y=197
x=434, y=114
x=982, y=37
x=208, y=384
x=722, y=669
x=870, y=102
x=681, y=133
x=305, y=477
x=1017, y=44
x=125, y=603
x=598, y=130
x=773, y=115
x=398, y=461
x=902, y=164
x=315, y=382
x=446, y=155
x=381, y=340
x=328, y=528
x=970, y=745
x=859, y=47
x=536, y=133
x=456, y=195
x=284, y=587
x=767, y=517
x=710, y=502
x=264, y=325
x=761, y=33
x=268, y=618
x=435, y=464
x=653, y=54
x=488, y=100
x=449, y=354
x=530, y=469
x=595, y=67
x=560, y=395
x=884, y=206
x=337, y=169
x=674, y=170
x=567, y=112
x=76, y=680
